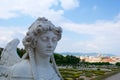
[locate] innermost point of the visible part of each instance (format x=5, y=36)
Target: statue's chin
x=48, y=53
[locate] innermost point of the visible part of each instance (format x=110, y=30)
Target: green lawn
x=74, y=74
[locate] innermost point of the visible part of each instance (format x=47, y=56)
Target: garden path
x=114, y=77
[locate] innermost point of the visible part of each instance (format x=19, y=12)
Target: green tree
x=60, y=59
x=1, y=49
x=117, y=64
x=21, y=51
x=66, y=60
x=72, y=60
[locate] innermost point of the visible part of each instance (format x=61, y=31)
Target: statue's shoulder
x=21, y=69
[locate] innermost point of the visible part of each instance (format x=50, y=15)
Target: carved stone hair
x=41, y=25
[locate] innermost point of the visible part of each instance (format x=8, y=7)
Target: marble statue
x=38, y=63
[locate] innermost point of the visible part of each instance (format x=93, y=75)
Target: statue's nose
x=50, y=44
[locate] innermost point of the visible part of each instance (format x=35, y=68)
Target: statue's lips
x=49, y=50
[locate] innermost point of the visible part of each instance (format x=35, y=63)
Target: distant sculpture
x=38, y=63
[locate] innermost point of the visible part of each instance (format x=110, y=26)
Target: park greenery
x=66, y=60
x=75, y=74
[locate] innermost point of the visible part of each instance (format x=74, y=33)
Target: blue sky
x=88, y=25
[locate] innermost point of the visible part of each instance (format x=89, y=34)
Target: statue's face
x=46, y=43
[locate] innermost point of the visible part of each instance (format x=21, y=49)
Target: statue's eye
x=44, y=38
x=54, y=39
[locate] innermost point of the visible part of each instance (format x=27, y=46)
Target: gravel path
x=114, y=77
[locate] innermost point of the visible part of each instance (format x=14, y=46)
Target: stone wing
x=4, y=73
x=9, y=55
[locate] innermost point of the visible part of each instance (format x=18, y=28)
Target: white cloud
x=35, y=8
x=69, y=4
x=8, y=34
x=105, y=28
x=105, y=36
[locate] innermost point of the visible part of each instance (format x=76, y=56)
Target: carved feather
x=9, y=55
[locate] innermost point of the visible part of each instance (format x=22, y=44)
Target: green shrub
x=97, y=73
x=68, y=79
x=81, y=79
x=88, y=74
